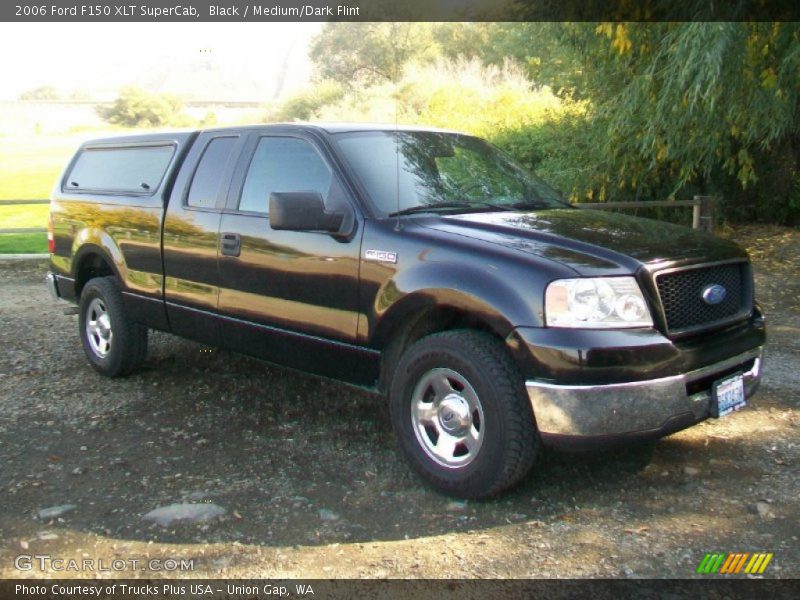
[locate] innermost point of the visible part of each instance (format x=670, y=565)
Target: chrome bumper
x=636, y=407
x=50, y=283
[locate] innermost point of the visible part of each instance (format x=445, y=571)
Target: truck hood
x=591, y=241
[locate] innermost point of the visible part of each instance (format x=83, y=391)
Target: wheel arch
x=426, y=313
x=433, y=296
x=92, y=261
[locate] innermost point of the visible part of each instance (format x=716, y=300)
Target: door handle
x=230, y=244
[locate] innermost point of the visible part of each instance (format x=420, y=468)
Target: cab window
x=283, y=164
x=209, y=175
x=122, y=169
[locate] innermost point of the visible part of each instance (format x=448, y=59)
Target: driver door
x=291, y=297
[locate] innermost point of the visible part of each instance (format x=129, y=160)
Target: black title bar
x=439, y=589
x=398, y=10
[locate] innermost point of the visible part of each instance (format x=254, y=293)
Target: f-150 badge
x=381, y=256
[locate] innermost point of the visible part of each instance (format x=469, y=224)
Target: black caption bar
x=440, y=589
x=399, y=10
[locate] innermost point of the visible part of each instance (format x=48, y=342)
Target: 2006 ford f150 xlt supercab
x=420, y=263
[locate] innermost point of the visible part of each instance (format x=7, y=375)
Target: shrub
x=306, y=104
x=137, y=108
x=46, y=92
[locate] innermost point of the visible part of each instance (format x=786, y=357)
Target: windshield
x=405, y=172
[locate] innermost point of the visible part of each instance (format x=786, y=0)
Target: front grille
x=681, y=294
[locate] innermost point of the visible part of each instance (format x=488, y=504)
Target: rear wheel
x=462, y=416
x=113, y=343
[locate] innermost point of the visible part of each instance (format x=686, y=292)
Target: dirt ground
x=313, y=485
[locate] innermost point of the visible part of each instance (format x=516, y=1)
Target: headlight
x=598, y=302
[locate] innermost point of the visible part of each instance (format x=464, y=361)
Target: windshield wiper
x=430, y=208
x=531, y=205
x=449, y=206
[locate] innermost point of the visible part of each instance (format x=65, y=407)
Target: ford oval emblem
x=714, y=293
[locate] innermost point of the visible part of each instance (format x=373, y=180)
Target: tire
x=460, y=411
x=113, y=343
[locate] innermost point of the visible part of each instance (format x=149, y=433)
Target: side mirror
x=302, y=211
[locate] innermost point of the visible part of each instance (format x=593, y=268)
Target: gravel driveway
x=312, y=485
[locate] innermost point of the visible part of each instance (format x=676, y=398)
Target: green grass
x=30, y=165
x=23, y=243
x=24, y=215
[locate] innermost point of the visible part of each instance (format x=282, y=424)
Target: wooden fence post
x=703, y=213
x=696, y=213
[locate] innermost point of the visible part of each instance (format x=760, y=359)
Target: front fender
x=479, y=292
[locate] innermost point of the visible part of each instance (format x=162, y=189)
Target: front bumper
x=568, y=414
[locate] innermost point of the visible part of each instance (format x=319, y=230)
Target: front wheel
x=113, y=343
x=463, y=419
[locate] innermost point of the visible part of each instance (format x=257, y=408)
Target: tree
x=648, y=109
x=696, y=104
x=136, y=108
x=537, y=47
x=362, y=54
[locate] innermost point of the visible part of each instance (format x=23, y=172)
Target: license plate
x=727, y=396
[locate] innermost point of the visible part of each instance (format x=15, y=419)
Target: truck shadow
x=293, y=460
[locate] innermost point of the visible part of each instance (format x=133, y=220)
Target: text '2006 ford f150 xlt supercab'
x=423, y=264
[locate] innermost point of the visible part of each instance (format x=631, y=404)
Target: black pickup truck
x=422, y=264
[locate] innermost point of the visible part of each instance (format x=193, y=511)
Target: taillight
x=51, y=242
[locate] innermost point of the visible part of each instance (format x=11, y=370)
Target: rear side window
x=208, y=177
x=132, y=169
x=283, y=164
